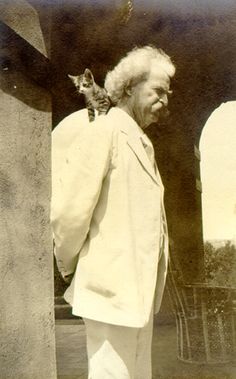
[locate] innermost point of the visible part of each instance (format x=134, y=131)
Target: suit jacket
x=108, y=219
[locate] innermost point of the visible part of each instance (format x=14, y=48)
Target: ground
x=72, y=361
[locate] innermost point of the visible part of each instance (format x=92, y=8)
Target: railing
x=205, y=320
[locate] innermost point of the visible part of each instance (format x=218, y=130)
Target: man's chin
x=151, y=120
x=155, y=117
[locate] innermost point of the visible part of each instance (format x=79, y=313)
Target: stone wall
x=27, y=343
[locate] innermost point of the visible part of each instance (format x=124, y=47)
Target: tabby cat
x=95, y=96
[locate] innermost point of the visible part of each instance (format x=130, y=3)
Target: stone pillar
x=27, y=342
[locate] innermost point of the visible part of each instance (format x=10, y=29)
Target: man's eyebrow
x=167, y=91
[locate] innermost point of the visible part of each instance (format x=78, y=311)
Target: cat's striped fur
x=95, y=96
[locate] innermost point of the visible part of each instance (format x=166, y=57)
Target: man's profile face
x=150, y=96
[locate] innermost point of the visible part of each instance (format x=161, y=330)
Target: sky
x=218, y=173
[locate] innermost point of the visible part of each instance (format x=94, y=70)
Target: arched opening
x=218, y=175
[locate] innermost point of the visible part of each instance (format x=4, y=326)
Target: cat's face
x=84, y=83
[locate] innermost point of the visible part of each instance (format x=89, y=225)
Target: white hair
x=135, y=67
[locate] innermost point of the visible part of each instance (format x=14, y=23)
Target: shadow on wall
x=22, y=68
x=15, y=84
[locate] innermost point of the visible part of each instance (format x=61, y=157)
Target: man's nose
x=164, y=100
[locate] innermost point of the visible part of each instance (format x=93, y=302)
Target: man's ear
x=128, y=90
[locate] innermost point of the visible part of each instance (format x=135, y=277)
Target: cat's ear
x=88, y=74
x=73, y=78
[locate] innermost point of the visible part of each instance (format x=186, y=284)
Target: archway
x=218, y=174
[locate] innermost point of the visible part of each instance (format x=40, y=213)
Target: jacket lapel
x=128, y=126
x=136, y=145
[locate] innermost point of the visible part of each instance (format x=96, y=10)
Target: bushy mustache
x=164, y=113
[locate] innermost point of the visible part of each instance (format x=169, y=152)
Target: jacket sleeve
x=77, y=177
x=163, y=262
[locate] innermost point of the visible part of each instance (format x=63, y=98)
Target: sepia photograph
x=118, y=189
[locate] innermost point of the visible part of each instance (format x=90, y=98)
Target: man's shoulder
x=80, y=118
x=76, y=128
x=76, y=118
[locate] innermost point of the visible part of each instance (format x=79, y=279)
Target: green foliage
x=220, y=264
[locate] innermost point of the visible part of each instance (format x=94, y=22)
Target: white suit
x=108, y=219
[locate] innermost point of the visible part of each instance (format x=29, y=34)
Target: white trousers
x=119, y=352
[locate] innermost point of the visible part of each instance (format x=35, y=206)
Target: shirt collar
x=127, y=123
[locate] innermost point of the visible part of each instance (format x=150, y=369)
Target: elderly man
x=108, y=217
